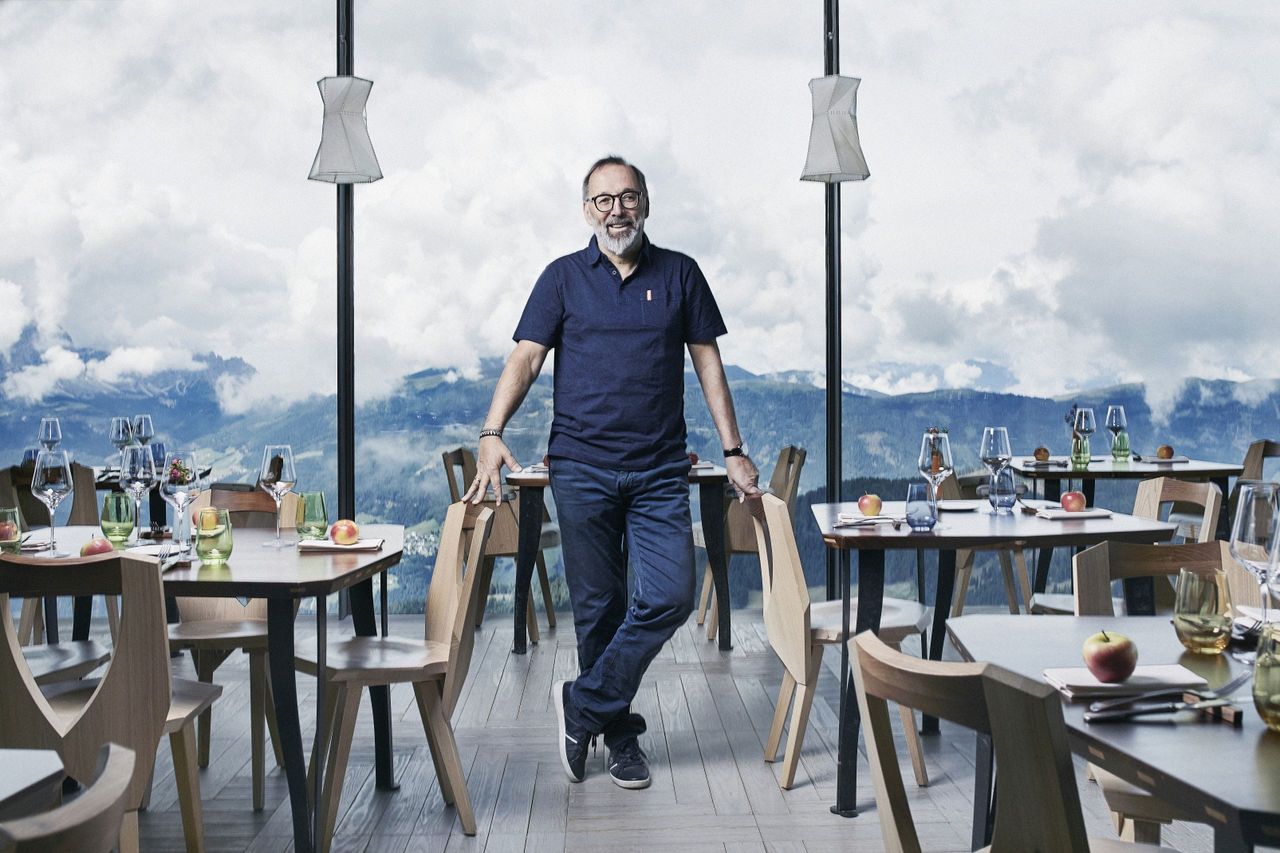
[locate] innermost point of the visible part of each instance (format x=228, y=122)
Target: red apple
x=8, y=531
x=96, y=546
x=344, y=532
x=1041, y=454
x=693, y=458
x=1110, y=657
x=869, y=504
x=1073, y=501
x=1164, y=451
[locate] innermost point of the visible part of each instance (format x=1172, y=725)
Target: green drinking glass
x=313, y=516
x=117, y=517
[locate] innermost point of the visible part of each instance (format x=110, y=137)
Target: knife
x=1221, y=692
x=1117, y=714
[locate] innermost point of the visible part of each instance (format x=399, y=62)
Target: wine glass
x=935, y=462
x=121, y=432
x=1253, y=531
x=1117, y=423
x=143, y=431
x=50, y=483
x=137, y=476
x=1085, y=423
x=995, y=452
x=180, y=484
x=277, y=477
x=50, y=434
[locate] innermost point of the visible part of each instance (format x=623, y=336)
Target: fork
x=165, y=550
x=1221, y=692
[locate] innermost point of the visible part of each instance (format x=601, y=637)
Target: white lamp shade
x=834, y=151
x=346, y=152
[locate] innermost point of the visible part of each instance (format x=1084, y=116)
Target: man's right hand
x=491, y=455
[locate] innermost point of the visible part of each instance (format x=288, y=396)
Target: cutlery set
x=1141, y=705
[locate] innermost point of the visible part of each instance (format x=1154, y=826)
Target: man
x=619, y=315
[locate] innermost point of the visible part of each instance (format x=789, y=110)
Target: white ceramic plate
x=961, y=506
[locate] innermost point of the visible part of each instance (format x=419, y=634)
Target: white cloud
x=1065, y=196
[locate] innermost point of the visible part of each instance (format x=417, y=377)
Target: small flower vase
x=1079, y=451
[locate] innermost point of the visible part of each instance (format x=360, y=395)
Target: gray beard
x=622, y=244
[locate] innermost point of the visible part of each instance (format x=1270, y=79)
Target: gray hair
x=613, y=160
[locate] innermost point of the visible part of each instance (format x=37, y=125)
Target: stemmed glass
x=1253, y=532
x=277, y=477
x=1117, y=424
x=179, y=486
x=143, y=431
x=935, y=462
x=50, y=483
x=995, y=452
x=121, y=432
x=50, y=433
x=137, y=476
x=1085, y=423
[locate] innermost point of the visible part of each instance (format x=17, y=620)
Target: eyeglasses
x=604, y=202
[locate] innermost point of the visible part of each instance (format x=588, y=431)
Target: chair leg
x=273, y=728
x=433, y=746
x=27, y=631
x=780, y=709
x=545, y=581
x=206, y=662
x=336, y=766
x=486, y=583
x=1010, y=588
x=530, y=620
x=113, y=615
x=129, y=839
x=1024, y=579
x=713, y=615
x=1136, y=830
x=334, y=695
x=708, y=584
x=913, y=745
x=183, y=745
x=257, y=724
x=964, y=570
x=434, y=720
x=800, y=718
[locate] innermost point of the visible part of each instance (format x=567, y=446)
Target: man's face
x=618, y=230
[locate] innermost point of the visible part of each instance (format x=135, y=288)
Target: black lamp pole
x=837, y=558
x=346, y=298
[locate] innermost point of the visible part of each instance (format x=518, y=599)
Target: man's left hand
x=743, y=476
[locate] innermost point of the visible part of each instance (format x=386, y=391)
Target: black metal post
x=346, y=298
x=837, y=558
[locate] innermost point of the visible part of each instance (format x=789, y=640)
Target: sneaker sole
x=557, y=695
x=631, y=784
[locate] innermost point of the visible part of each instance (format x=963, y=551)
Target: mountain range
x=400, y=437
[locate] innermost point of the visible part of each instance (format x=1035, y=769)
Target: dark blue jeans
x=606, y=516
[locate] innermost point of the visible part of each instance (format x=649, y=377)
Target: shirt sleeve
x=702, y=322
x=543, y=317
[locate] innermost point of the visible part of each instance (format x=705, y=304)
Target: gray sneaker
x=628, y=766
x=573, y=744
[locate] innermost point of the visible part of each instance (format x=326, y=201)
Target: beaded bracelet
x=486, y=433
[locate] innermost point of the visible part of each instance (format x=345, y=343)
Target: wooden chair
x=1157, y=498
x=504, y=539
x=88, y=824
x=1037, y=804
x=134, y=702
x=739, y=534
x=214, y=628
x=1137, y=814
x=1252, y=469
x=798, y=630
x=436, y=667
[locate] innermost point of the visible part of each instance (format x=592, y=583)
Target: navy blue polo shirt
x=619, y=353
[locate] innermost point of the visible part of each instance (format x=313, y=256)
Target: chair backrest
x=504, y=533
x=1037, y=803
x=783, y=482
x=250, y=507
x=1154, y=494
x=88, y=824
x=131, y=702
x=84, y=496
x=455, y=592
x=15, y=490
x=786, y=596
x=1258, y=452
x=1093, y=570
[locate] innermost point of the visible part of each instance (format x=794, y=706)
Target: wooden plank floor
x=708, y=714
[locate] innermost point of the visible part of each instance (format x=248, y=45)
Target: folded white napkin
x=1254, y=614
x=330, y=545
x=849, y=518
x=1156, y=460
x=1046, y=463
x=1077, y=682
x=1057, y=514
x=703, y=463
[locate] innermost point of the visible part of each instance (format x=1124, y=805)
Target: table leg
x=82, y=613
x=941, y=610
x=1052, y=492
x=711, y=507
x=362, y=619
x=870, y=604
x=532, y=502
x=284, y=688
x=983, y=812
x=1224, y=519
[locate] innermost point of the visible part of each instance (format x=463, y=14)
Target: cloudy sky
x=1063, y=196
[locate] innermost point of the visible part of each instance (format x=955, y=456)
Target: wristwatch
x=740, y=450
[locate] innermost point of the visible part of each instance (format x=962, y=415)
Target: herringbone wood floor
x=708, y=714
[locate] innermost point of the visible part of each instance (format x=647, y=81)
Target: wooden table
x=710, y=481
x=283, y=576
x=30, y=782
x=1229, y=776
x=1051, y=477
x=975, y=529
